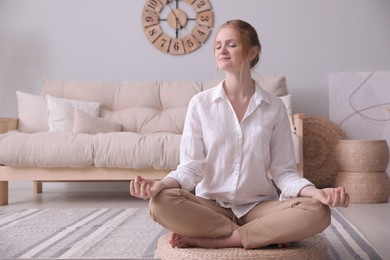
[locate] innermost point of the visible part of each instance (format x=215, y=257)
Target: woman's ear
x=253, y=52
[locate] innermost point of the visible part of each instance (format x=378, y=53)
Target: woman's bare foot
x=284, y=245
x=234, y=240
x=180, y=241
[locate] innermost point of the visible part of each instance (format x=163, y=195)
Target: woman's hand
x=144, y=188
x=335, y=197
x=147, y=188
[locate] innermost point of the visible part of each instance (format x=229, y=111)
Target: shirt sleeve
x=192, y=151
x=283, y=164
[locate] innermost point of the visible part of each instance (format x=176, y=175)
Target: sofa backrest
x=146, y=106
x=142, y=107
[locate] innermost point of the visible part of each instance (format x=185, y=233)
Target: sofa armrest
x=8, y=124
x=298, y=125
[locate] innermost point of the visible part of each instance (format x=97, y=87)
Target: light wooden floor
x=373, y=220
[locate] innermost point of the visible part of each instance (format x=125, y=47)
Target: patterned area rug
x=123, y=234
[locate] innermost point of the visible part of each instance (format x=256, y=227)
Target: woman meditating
x=233, y=135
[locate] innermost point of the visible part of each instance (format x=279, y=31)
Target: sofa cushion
x=85, y=123
x=65, y=149
x=46, y=149
x=136, y=151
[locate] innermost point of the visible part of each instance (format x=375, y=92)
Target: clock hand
x=174, y=14
x=177, y=20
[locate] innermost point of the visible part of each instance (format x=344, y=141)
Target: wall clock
x=177, y=27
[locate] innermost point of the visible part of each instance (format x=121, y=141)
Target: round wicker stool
x=365, y=187
x=315, y=247
x=362, y=155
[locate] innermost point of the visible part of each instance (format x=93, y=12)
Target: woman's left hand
x=335, y=197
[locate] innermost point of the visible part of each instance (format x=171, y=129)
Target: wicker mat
x=122, y=234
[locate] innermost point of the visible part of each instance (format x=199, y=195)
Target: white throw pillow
x=87, y=124
x=287, y=102
x=33, y=113
x=61, y=112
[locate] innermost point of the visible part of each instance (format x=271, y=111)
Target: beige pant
x=270, y=222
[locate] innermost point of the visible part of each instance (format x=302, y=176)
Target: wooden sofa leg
x=37, y=187
x=3, y=193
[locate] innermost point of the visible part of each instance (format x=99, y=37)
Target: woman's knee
x=314, y=212
x=164, y=202
x=323, y=209
x=326, y=214
x=321, y=213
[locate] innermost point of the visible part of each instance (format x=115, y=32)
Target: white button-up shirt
x=228, y=160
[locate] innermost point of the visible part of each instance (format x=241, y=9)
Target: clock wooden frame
x=177, y=19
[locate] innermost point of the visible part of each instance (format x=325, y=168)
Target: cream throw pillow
x=61, y=112
x=33, y=113
x=87, y=124
x=276, y=85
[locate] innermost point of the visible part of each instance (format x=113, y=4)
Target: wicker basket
x=365, y=187
x=362, y=155
x=320, y=137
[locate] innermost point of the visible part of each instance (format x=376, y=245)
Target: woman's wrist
x=308, y=191
x=168, y=183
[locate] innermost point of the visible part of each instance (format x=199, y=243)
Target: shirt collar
x=219, y=92
x=259, y=95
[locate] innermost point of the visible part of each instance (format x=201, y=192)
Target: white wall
x=104, y=40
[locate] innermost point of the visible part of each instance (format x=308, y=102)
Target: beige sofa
x=101, y=131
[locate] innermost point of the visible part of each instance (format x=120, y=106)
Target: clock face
x=177, y=27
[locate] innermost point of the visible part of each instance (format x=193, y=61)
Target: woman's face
x=228, y=50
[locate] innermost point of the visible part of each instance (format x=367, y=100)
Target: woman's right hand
x=145, y=188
